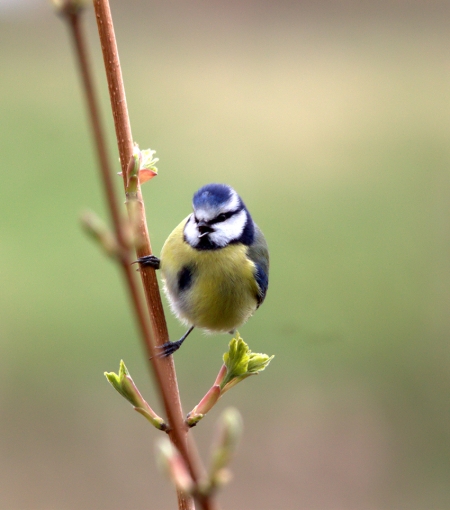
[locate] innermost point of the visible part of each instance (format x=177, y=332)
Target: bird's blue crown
x=212, y=196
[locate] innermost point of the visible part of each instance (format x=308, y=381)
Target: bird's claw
x=167, y=349
x=149, y=261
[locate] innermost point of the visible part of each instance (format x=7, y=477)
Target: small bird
x=215, y=264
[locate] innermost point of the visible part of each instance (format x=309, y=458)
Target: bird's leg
x=149, y=261
x=170, y=347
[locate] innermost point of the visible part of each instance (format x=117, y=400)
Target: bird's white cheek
x=229, y=230
x=191, y=232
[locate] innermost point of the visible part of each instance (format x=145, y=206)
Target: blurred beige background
x=331, y=119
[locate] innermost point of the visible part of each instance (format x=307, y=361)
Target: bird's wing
x=258, y=253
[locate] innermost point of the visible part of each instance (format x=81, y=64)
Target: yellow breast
x=222, y=291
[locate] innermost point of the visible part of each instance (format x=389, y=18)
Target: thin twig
x=163, y=369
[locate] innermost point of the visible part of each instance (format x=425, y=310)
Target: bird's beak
x=204, y=229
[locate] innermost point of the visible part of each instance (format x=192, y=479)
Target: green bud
x=240, y=363
x=124, y=384
x=171, y=462
x=140, y=168
x=229, y=434
x=99, y=231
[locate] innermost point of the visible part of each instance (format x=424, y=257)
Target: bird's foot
x=149, y=261
x=168, y=348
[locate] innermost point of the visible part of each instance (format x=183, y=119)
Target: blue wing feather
x=259, y=254
x=262, y=279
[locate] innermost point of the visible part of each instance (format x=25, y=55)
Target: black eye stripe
x=222, y=217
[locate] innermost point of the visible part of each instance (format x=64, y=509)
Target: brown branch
x=164, y=370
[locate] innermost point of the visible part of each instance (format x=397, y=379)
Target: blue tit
x=215, y=264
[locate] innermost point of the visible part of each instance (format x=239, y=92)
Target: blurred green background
x=331, y=119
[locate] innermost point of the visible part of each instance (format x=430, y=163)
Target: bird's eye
x=222, y=217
